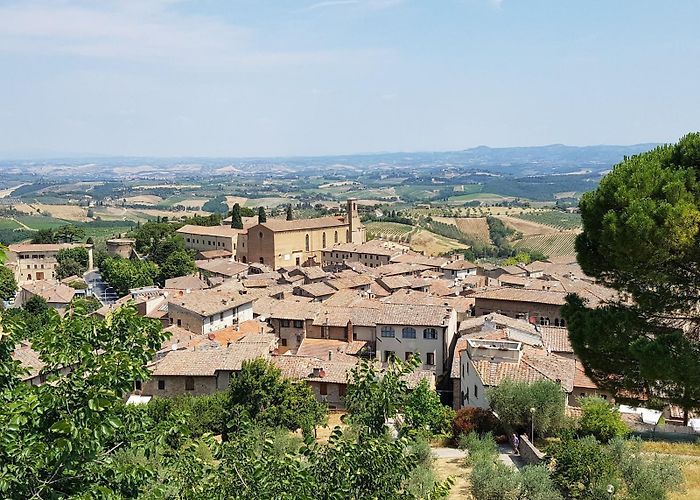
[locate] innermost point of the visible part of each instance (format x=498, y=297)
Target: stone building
x=284, y=243
x=36, y=262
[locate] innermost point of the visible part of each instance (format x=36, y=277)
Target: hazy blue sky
x=283, y=77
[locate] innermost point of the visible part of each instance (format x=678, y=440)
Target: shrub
x=646, y=477
x=581, y=467
x=512, y=402
x=478, y=448
x=494, y=481
x=537, y=484
x=601, y=420
x=423, y=410
x=477, y=420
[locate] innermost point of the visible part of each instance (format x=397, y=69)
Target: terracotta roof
x=208, y=302
x=293, y=309
x=53, y=293
x=364, y=314
x=279, y=225
x=581, y=379
x=215, y=254
x=534, y=365
x=401, y=268
x=374, y=247
x=318, y=289
x=225, y=231
x=339, y=349
x=523, y=295
x=515, y=270
x=459, y=265
x=45, y=247
x=414, y=258
x=226, y=267
x=394, y=282
x=302, y=368
x=185, y=283
x=418, y=315
x=205, y=363
x=29, y=359
x=353, y=280
x=556, y=338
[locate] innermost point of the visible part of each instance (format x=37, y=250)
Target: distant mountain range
x=514, y=161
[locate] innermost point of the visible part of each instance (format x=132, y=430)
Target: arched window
x=324, y=239
x=308, y=243
x=388, y=331
x=544, y=321
x=408, y=333
x=430, y=334
x=336, y=237
x=262, y=261
x=556, y=321
x=260, y=234
x=245, y=259
x=562, y=323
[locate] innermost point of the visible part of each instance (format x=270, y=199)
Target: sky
x=317, y=77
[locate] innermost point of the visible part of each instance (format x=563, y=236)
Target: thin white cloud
x=331, y=3
x=144, y=31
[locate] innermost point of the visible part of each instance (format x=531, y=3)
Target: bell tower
x=356, y=230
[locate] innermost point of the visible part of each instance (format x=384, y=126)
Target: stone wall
x=528, y=452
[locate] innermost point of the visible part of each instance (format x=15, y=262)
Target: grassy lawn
x=690, y=449
x=691, y=471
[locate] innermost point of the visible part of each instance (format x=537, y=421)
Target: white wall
x=469, y=381
x=400, y=346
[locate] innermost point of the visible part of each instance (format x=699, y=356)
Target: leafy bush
x=537, y=484
x=646, y=477
x=424, y=411
x=581, y=467
x=477, y=420
x=494, y=481
x=512, y=402
x=479, y=448
x=601, y=420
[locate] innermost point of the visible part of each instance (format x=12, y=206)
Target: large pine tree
x=641, y=237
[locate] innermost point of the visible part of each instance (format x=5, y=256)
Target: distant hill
x=515, y=161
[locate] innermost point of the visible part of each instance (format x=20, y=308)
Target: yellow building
x=282, y=243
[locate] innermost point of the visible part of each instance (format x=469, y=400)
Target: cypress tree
x=262, y=216
x=236, y=221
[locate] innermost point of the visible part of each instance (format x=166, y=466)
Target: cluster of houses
x=313, y=297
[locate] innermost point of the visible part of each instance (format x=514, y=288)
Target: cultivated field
x=476, y=227
x=552, y=244
x=144, y=199
x=553, y=218
x=434, y=244
x=389, y=231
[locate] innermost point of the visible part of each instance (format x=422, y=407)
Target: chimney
x=330, y=355
x=349, y=332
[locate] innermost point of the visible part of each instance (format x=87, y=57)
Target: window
x=335, y=236
x=323, y=389
x=307, y=244
x=388, y=331
x=430, y=358
x=467, y=394
x=283, y=342
x=179, y=322
x=408, y=333
x=430, y=333
x=161, y=385
x=221, y=316
x=285, y=323
x=408, y=355
x=388, y=355
x=544, y=321
x=298, y=323
x=562, y=323
x=260, y=234
x=476, y=392
x=262, y=260
x=189, y=384
x=324, y=239
x=137, y=385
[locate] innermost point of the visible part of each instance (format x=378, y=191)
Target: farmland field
x=389, y=230
x=528, y=228
x=434, y=244
x=41, y=222
x=9, y=224
x=554, y=218
x=552, y=244
x=476, y=227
